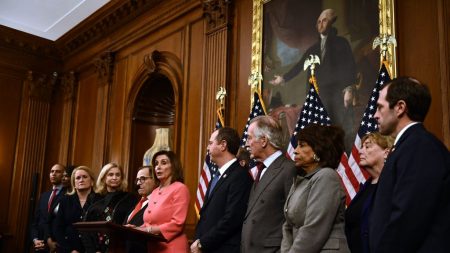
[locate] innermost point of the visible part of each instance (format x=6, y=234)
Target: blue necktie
x=214, y=181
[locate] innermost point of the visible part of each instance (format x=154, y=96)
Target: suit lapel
x=410, y=131
x=257, y=189
x=57, y=198
x=138, y=217
x=222, y=179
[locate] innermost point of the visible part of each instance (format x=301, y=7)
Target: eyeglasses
x=141, y=179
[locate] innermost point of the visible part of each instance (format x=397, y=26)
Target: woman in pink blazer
x=168, y=206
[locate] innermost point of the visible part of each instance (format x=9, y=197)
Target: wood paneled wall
x=103, y=62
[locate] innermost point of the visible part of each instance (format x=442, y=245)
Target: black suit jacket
x=137, y=220
x=336, y=71
x=357, y=218
x=114, y=207
x=412, y=202
x=70, y=211
x=222, y=214
x=42, y=223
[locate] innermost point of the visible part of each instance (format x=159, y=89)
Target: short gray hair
x=268, y=127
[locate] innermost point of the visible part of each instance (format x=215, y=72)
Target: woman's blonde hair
x=101, y=184
x=72, y=178
x=384, y=141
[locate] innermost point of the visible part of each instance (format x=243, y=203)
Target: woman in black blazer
x=374, y=151
x=115, y=205
x=73, y=208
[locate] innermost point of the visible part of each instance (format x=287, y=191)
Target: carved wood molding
x=161, y=63
x=28, y=43
x=41, y=86
x=217, y=13
x=152, y=61
x=67, y=86
x=30, y=148
x=103, y=23
x=104, y=66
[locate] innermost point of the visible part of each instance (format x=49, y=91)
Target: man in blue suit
x=412, y=203
x=49, y=200
x=222, y=214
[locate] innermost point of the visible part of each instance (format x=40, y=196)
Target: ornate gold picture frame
x=284, y=31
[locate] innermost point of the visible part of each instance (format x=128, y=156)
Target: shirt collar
x=269, y=160
x=226, y=165
x=57, y=187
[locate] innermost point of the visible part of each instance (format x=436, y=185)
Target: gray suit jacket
x=261, y=232
x=314, y=212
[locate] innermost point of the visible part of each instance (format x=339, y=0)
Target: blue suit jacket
x=222, y=214
x=412, y=203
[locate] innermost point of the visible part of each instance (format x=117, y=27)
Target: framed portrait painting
x=341, y=34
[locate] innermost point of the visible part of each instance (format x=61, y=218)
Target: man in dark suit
x=412, y=203
x=145, y=181
x=40, y=228
x=261, y=232
x=222, y=214
x=336, y=72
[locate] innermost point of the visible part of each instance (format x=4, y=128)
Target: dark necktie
x=52, y=196
x=137, y=208
x=214, y=181
x=260, y=166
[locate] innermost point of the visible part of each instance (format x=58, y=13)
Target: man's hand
x=195, y=248
x=52, y=245
x=277, y=80
x=38, y=244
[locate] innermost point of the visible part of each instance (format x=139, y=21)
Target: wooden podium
x=118, y=234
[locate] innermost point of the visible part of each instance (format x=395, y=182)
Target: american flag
x=312, y=111
x=258, y=109
x=207, y=171
x=351, y=174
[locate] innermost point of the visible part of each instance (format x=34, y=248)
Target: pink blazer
x=168, y=210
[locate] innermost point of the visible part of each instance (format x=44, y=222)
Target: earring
x=316, y=158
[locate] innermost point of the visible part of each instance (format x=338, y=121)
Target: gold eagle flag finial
x=311, y=64
x=220, y=96
x=384, y=40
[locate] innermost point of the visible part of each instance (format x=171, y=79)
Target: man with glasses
x=145, y=182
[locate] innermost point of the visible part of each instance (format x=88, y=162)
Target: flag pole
x=208, y=165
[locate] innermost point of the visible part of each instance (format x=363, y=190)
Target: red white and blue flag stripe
x=207, y=171
x=351, y=173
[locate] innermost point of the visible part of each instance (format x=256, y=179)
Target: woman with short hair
x=315, y=206
x=168, y=207
x=374, y=150
x=73, y=208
